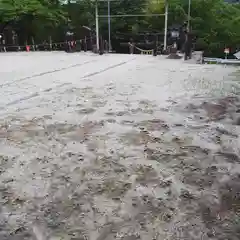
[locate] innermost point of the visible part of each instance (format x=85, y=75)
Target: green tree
x=29, y=17
x=216, y=23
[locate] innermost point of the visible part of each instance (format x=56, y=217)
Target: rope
x=51, y=45
x=142, y=51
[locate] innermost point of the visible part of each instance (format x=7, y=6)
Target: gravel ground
x=118, y=147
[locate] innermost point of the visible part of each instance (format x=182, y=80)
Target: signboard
x=237, y=55
x=175, y=34
x=226, y=50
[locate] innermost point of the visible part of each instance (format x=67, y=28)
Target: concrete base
x=174, y=56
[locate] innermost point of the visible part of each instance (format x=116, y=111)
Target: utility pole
x=109, y=27
x=97, y=25
x=189, y=14
x=166, y=25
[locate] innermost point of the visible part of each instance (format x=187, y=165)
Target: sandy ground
x=118, y=147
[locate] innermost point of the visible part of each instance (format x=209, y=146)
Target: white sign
x=175, y=34
x=237, y=55
x=226, y=51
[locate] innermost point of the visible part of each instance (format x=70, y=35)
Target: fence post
x=50, y=41
x=131, y=48
x=33, y=44
x=85, y=44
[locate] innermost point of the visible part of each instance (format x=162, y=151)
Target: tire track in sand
x=36, y=94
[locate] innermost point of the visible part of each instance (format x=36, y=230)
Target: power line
x=132, y=15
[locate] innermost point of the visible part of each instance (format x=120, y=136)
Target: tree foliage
x=215, y=22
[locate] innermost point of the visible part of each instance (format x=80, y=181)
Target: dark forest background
x=216, y=23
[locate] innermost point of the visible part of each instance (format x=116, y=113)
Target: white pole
x=166, y=25
x=50, y=43
x=189, y=14
x=33, y=44
x=97, y=26
x=109, y=27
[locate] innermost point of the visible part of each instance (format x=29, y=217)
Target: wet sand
x=118, y=147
